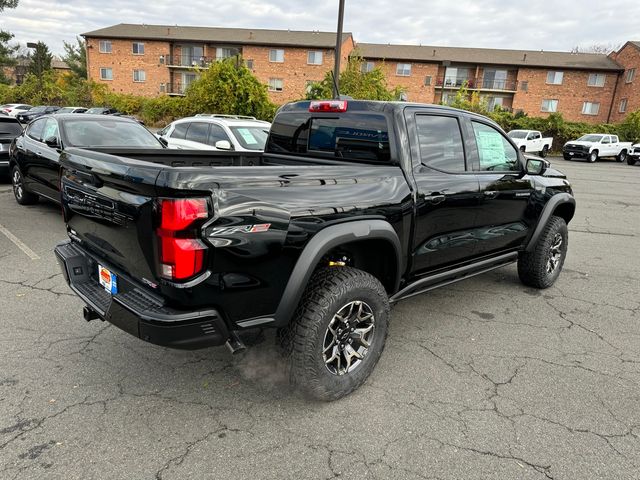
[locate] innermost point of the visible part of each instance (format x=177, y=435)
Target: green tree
x=8, y=4
x=229, y=87
x=356, y=83
x=471, y=102
x=40, y=59
x=76, y=57
x=6, y=55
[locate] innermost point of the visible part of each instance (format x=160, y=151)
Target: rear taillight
x=181, y=253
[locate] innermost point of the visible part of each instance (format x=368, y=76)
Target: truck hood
x=553, y=173
x=580, y=142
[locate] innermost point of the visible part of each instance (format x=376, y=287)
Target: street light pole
x=338, y=53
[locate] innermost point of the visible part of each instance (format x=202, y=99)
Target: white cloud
x=545, y=24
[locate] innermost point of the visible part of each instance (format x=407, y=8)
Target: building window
x=314, y=57
x=226, y=52
x=276, y=55
x=106, y=74
x=448, y=98
x=367, y=67
x=631, y=74
x=275, y=84
x=139, y=76
x=493, y=102
x=596, y=80
x=249, y=64
x=427, y=81
x=590, y=108
x=105, y=46
x=555, y=78
x=403, y=69
x=549, y=106
x=137, y=48
x=524, y=85
x=623, y=105
x=456, y=77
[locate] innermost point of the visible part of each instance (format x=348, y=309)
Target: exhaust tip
x=234, y=344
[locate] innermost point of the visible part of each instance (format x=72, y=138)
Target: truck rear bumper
x=136, y=311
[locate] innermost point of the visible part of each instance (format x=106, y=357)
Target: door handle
x=434, y=199
x=490, y=194
x=39, y=153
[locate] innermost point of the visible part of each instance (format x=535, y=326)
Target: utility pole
x=338, y=53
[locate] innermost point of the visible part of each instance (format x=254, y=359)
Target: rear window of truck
x=353, y=137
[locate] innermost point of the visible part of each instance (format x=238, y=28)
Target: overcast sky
x=543, y=24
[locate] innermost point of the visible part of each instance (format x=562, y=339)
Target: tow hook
x=89, y=314
x=234, y=344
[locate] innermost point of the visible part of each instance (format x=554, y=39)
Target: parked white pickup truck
x=596, y=145
x=531, y=141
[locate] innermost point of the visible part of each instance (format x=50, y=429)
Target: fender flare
x=322, y=242
x=547, y=213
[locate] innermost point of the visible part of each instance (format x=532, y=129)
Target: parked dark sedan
x=36, y=112
x=102, y=111
x=34, y=156
x=10, y=128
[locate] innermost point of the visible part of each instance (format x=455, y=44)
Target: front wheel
x=23, y=197
x=631, y=160
x=544, y=152
x=593, y=157
x=540, y=267
x=622, y=156
x=338, y=333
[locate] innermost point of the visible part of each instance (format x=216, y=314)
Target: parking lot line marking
x=19, y=243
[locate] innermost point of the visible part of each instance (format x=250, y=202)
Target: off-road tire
x=593, y=156
x=622, y=156
x=544, y=152
x=533, y=266
x=329, y=290
x=631, y=160
x=22, y=196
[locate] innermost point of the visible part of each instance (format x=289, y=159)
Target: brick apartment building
x=154, y=59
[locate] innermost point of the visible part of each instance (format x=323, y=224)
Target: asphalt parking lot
x=484, y=379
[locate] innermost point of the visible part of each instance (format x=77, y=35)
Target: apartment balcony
x=188, y=61
x=454, y=83
x=174, y=88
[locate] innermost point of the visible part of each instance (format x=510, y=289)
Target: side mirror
x=536, y=166
x=223, y=145
x=52, y=142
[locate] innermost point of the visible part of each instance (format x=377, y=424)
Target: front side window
x=403, y=69
x=549, y=106
x=276, y=55
x=631, y=74
x=217, y=133
x=623, y=105
x=495, y=152
x=106, y=73
x=275, y=84
x=137, y=48
x=555, y=78
x=139, y=76
x=35, y=130
x=596, y=80
x=105, y=46
x=590, y=108
x=440, y=143
x=314, y=57
x=50, y=129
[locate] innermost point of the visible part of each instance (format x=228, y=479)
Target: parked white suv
x=531, y=141
x=594, y=146
x=217, y=132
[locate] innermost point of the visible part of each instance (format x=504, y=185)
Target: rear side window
x=198, y=132
x=35, y=129
x=180, y=131
x=356, y=137
x=440, y=143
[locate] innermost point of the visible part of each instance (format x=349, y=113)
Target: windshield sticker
x=247, y=136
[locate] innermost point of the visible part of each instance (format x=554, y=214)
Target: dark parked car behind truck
x=352, y=207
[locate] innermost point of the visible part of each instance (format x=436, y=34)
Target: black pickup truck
x=353, y=206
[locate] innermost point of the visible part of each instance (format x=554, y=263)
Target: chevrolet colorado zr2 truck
x=353, y=206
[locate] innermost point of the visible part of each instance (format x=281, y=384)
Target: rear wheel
x=23, y=197
x=540, y=267
x=622, y=156
x=338, y=333
x=545, y=151
x=593, y=156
